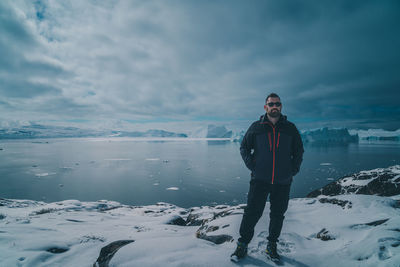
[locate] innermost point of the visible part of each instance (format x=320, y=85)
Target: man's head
x=273, y=105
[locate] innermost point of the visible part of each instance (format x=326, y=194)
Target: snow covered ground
x=343, y=230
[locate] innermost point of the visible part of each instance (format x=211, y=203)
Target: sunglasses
x=271, y=104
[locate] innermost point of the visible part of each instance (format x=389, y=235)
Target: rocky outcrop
x=324, y=235
x=381, y=182
x=343, y=203
x=108, y=252
x=177, y=220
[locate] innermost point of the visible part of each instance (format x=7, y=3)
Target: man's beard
x=274, y=113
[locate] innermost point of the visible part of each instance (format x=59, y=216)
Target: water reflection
x=218, y=142
x=139, y=172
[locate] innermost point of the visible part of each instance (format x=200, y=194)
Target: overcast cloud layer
x=334, y=63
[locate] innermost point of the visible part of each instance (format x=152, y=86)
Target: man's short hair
x=271, y=95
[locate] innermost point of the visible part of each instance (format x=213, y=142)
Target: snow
x=374, y=174
x=351, y=181
x=30, y=229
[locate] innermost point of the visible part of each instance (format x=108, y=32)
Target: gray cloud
x=334, y=63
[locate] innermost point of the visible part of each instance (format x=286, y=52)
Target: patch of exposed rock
x=109, y=251
x=381, y=182
x=324, y=235
x=343, y=203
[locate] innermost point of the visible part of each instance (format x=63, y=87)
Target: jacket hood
x=264, y=118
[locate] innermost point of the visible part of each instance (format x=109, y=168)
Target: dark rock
x=108, y=252
x=43, y=211
x=177, y=220
x=216, y=239
x=342, y=203
x=324, y=235
x=93, y=238
x=2, y=216
x=383, y=253
x=57, y=250
x=212, y=228
x=193, y=220
x=381, y=187
x=331, y=189
x=104, y=207
x=374, y=223
x=362, y=177
x=149, y=211
x=73, y=220
x=224, y=213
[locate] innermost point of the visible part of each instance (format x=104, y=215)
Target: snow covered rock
x=107, y=252
x=381, y=182
x=177, y=220
x=214, y=224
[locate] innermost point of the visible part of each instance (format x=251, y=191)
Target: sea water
x=184, y=172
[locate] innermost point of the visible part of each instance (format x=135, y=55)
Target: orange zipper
x=270, y=143
x=273, y=159
x=277, y=144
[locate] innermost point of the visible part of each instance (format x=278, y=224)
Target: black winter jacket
x=273, y=153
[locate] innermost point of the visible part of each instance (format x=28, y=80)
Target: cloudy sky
x=334, y=63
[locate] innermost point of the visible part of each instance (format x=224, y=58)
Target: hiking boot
x=271, y=251
x=240, y=252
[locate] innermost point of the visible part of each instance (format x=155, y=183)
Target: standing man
x=272, y=149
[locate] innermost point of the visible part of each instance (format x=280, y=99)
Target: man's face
x=273, y=107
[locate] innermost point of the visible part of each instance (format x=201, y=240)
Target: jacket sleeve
x=245, y=149
x=298, y=150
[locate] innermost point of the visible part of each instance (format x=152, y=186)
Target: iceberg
x=377, y=134
x=212, y=131
x=328, y=135
x=34, y=131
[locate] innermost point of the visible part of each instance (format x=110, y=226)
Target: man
x=272, y=149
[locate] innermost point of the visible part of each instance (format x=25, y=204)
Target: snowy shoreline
x=335, y=230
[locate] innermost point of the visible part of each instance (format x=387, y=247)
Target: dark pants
x=256, y=199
